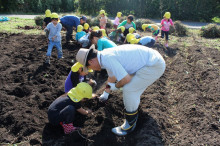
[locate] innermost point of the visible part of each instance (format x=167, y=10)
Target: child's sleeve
x=48, y=26
x=134, y=25
x=162, y=21
x=122, y=24
x=74, y=78
x=171, y=22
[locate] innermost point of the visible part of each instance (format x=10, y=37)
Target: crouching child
x=62, y=111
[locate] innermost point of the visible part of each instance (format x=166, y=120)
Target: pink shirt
x=116, y=22
x=166, y=24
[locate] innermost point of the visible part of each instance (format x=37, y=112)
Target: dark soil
x=181, y=108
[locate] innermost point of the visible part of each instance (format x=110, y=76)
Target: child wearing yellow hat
x=147, y=41
x=80, y=33
x=86, y=28
x=133, y=31
x=62, y=111
x=153, y=28
x=76, y=76
x=47, y=18
x=116, y=21
x=54, y=37
x=103, y=19
x=117, y=35
x=166, y=23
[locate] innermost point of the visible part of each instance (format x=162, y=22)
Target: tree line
x=195, y=10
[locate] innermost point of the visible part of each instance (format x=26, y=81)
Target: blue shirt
x=104, y=43
x=54, y=31
x=72, y=21
x=80, y=34
x=145, y=40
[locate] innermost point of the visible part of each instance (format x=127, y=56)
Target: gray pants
x=139, y=82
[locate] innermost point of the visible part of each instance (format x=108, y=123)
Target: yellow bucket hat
x=102, y=12
x=122, y=28
x=119, y=14
x=103, y=32
x=131, y=30
x=79, y=28
x=82, y=90
x=47, y=13
x=129, y=37
x=144, y=26
x=77, y=66
x=167, y=15
x=54, y=15
x=95, y=28
x=134, y=41
x=86, y=26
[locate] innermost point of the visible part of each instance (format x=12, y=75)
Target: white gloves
x=112, y=86
x=104, y=96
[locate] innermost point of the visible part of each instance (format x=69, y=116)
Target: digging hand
x=112, y=86
x=104, y=96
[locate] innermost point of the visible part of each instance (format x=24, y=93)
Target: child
x=95, y=28
x=101, y=42
x=132, y=31
x=127, y=24
x=47, y=18
x=147, y=41
x=54, y=37
x=76, y=76
x=86, y=28
x=104, y=33
x=117, y=35
x=80, y=33
x=117, y=18
x=103, y=19
x=166, y=22
x=62, y=110
x=153, y=28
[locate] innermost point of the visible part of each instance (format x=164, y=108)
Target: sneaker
x=61, y=57
x=166, y=45
x=47, y=61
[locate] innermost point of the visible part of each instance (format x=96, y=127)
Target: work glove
x=104, y=96
x=112, y=86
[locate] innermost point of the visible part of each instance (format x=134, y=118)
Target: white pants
x=139, y=82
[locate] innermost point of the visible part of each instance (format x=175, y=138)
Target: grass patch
x=12, y=25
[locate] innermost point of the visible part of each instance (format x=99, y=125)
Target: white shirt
x=126, y=59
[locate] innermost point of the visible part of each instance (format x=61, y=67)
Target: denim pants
x=69, y=31
x=57, y=45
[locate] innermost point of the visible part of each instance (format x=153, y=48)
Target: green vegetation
x=216, y=20
x=211, y=31
x=198, y=10
x=16, y=25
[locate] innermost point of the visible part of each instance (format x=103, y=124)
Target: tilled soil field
x=181, y=108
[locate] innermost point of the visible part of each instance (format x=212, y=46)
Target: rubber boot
x=129, y=124
x=69, y=128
